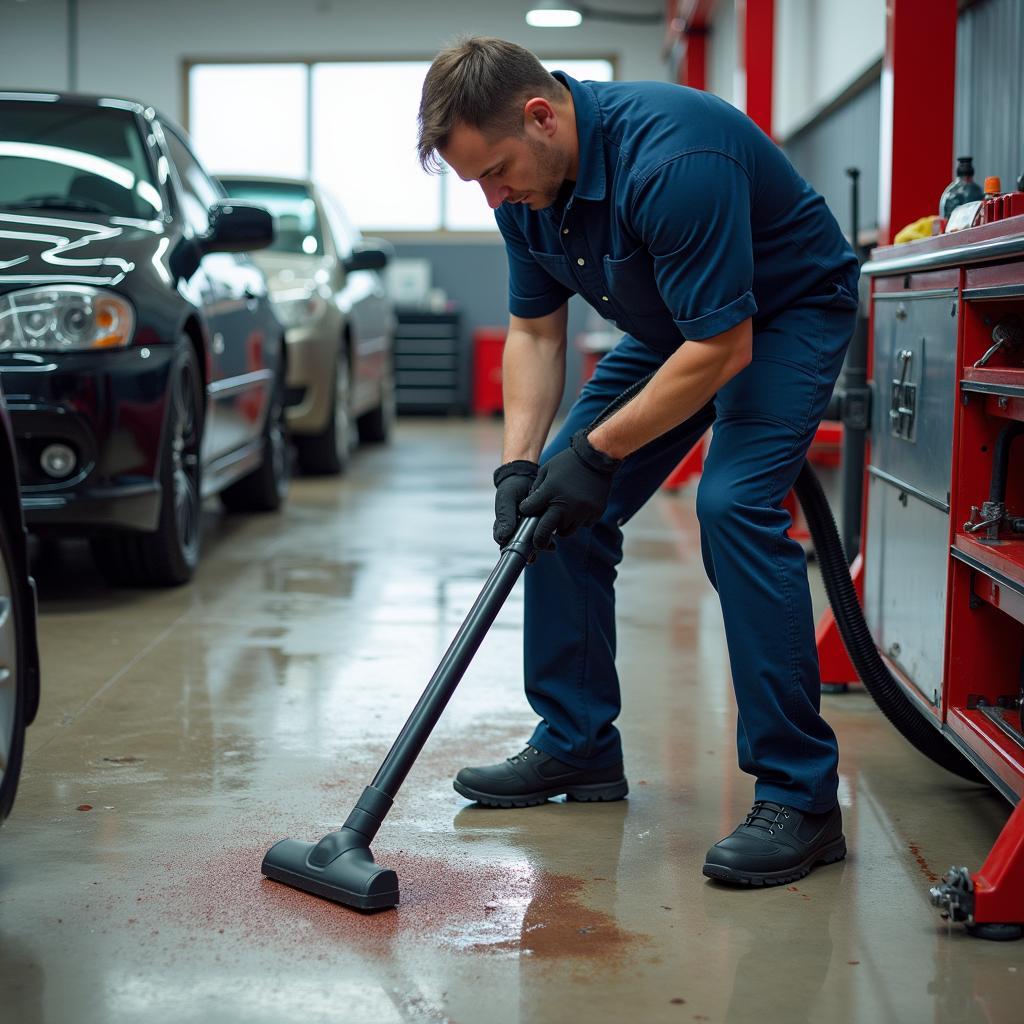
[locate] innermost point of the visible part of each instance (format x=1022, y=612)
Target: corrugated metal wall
x=847, y=138
x=990, y=89
x=989, y=115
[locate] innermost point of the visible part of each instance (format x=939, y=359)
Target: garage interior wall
x=826, y=89
x=827, y=95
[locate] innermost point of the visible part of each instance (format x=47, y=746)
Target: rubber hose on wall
x=877, y=679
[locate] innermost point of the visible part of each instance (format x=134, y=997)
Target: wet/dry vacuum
x=341, y=866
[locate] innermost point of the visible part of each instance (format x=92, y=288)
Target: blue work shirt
x=685, y=220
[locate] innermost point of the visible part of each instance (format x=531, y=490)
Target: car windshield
x=298, y=225
x=73, y=158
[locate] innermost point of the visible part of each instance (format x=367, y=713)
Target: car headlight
x=298, y=307
x=65, y=318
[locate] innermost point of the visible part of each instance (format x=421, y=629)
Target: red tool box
x=943, y=576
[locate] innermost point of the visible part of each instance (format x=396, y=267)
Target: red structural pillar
x=918, y=81
x=755, y=35
x=692, y=25
x=693, y=68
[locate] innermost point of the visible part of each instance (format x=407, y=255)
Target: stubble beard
x=550, y=175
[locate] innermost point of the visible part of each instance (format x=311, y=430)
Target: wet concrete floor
x=182, y=732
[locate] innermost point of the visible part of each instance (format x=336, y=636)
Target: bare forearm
x=533, y=377
x=685, y=383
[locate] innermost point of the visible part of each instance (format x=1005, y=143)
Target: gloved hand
x=512, y=482
x=571, y=490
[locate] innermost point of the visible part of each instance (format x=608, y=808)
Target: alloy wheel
x=278, y=439
x=342, y=405
x=9, y=655
x=185, y=460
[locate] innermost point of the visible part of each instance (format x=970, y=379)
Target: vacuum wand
x=341, y=867
x=514, y=558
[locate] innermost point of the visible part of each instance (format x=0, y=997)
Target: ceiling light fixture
x=553, y=15
x=559, y=14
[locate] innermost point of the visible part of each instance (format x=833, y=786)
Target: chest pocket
x=631, y=283
x=558, y=267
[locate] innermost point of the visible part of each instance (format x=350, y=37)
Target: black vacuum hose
x=1001, y=459
x=877, y=679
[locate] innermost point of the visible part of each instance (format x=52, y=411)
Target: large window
x=245, y=118
x=253, y=119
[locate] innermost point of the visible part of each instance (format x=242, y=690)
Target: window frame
x=412, y=235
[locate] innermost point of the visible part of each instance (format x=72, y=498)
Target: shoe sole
x=594, y=793
x=830, y=854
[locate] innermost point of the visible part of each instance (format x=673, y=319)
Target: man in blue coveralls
x=677, y=219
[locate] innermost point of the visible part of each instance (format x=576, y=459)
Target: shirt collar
x=590, y=177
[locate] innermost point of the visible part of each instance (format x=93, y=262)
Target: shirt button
x=581, y=261
x=565, y=231
x=604, y=298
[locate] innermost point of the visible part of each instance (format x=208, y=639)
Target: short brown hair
x=481, y=82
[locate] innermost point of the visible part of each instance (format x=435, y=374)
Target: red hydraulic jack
x=989, y=898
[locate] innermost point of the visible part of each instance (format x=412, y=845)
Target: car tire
x=169, y=555
x=376, y=425
x=328, y=453
x=13, y=673
x=266, y=487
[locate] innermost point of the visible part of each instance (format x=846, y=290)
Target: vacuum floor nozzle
x=348, y=875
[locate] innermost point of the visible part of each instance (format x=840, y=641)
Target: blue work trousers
x=763, y=422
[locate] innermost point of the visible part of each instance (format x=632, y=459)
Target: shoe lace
x=524, y=754
x=766, y=815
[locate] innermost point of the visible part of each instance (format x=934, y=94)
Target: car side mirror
x=366, y=257
x=237, y=226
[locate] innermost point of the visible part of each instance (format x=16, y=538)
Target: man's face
x=529, y=168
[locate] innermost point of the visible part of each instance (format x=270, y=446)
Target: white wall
x=137, y=48
x=33, y=44
x=821, y=46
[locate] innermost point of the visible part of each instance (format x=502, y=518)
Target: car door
x=364, y=295
x=240, y=376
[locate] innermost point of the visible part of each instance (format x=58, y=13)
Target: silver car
x=324, y=279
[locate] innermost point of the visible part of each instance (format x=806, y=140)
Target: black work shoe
x=775, y=845
x=531, y=777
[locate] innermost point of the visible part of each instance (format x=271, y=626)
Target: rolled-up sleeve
x=693, y=214
x=532, y=291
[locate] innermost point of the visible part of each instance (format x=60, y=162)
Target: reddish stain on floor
x=922, y=863
x=457, y=903
x=84, y=807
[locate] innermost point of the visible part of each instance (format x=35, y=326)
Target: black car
x=19, y=655
x=143, y=364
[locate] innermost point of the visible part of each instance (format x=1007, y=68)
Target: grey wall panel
x=846, y=138
x=990, y=89
x=475, y=275
x=989, y=120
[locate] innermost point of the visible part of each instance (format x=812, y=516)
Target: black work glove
x=571, y=490
x=512, y=482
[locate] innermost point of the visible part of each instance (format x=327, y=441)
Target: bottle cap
x=993, y=186
x=964, y=166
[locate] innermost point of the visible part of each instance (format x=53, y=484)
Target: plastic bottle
x=962, y=189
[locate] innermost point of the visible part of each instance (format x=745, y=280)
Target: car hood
x=76, y=248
